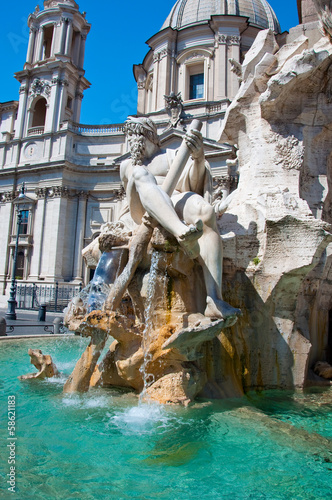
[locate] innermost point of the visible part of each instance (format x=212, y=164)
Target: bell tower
x=52, y=81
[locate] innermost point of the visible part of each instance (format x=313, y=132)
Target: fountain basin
x=103, y=444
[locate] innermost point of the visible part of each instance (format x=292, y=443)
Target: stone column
x=209, y=96
x=31, y=46
x=141, y=94
x=163, y=87
x=77, y=106
x=63, y=35
x=79, y=237
x=69, y=37
x=233, y=53
x=221, y=65
x=53, y=41
x=140, y=75
x=22, y=111
x=156, y=58
x=82, y=51
x=51, y=118
x=173, y=72
x=41, y=44
x=77, y=48
x=3, y=151
x=38, y=235
x=54, y=235
x=60, y=105
x=6, y=209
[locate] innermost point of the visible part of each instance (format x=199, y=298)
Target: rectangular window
x=69, y=102
x=48, y=37
x=20, y=265
x=24, y=222
x=196, y=90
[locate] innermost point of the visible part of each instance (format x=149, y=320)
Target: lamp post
x=11, y=313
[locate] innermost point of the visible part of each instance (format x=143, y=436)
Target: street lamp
x=11, y=314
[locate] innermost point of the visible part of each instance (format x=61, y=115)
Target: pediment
x=172, y=138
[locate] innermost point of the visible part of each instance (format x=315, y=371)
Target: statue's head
x=38, y=359
x=142, y=137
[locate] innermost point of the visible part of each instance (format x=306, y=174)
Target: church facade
x=70, y=171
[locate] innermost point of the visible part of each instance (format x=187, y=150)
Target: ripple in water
x=84, y=402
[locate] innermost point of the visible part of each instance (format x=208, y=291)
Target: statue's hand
x=194, y=141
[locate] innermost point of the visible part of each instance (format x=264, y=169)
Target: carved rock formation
x=276, y=235
x=160, y=351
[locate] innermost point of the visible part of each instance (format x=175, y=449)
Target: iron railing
x=56, y=297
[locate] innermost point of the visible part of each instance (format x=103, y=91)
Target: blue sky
x=116, y=42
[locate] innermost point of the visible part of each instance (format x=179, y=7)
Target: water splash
x=148, y=378
x=98, y=292
x=107, y=272
x=141, y=419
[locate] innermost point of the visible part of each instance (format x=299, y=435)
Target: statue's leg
x=159, y=206
x=191, y=206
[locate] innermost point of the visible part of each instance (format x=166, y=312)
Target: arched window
x=39, y=113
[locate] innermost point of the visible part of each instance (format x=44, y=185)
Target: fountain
x=155, y=316
x=161, y=263
x=164, y=278
x=179, y=338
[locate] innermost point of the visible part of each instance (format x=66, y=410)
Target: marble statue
x=186, y=213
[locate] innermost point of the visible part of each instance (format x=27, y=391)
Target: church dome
x=187, y=12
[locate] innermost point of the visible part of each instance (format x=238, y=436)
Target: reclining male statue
x=186, y=214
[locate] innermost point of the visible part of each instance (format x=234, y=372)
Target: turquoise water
x=103, y=445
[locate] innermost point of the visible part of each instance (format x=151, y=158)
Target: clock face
x=30, y=150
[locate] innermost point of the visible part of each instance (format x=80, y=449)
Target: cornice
x=8, y=106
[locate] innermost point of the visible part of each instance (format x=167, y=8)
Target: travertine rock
x=177, y=387
x=323, y=369
x=276, y=235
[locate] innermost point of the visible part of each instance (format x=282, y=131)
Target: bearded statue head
x=138, y=130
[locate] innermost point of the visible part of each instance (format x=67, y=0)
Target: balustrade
x=35, y=131
x=96, y=129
